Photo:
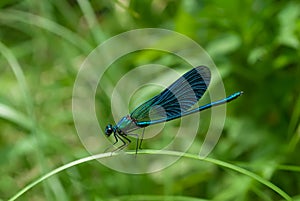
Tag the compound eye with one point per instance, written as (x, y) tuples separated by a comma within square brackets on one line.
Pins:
[(108, 130)]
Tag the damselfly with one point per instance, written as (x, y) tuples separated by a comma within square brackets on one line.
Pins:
[(174, 102)]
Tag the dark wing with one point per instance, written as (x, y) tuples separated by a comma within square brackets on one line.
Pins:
[(175, 100)]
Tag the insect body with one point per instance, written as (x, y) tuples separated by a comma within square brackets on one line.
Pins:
[(174, 102)]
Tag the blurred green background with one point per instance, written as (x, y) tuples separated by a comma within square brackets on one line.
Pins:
[(255, 45)]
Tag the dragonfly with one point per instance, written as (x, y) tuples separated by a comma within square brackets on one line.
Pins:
[(174, 102)]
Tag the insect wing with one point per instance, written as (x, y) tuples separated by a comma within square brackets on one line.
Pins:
[(175, 100)]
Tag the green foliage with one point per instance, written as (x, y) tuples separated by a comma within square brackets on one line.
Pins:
[(255, 45)]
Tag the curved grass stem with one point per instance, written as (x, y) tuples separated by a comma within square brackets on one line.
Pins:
[(158, 152)]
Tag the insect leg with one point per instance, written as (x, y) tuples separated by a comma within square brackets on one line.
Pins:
[(116, 141), (137, 141), (140, 147), (123, 137)]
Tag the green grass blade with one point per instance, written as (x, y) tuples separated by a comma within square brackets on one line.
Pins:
[(14, 116), (158, 152), (44, 23), (15, 66), (91, 20)]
